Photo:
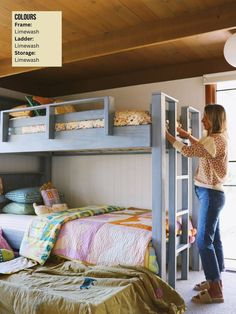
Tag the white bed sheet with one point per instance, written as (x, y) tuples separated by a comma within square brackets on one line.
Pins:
[(15, 222), (14, 227)]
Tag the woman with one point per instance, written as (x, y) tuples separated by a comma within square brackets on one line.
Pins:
[(209, 178)]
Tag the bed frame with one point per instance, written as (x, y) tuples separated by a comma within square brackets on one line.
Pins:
[(108, 140)]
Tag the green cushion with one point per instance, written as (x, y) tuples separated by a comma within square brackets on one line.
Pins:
[(26, 195), (32, 103), (19, 209)]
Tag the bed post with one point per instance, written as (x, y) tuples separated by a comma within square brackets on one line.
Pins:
[(196, 131), (158, 180), (172, 204), (4, 126), (108, 115), (191, 119)]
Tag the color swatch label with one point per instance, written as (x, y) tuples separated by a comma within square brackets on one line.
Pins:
[(36, 38)]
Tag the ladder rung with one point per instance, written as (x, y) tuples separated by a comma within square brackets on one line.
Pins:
[(185, 176), (193, 110), (181, 248), (182, 212)]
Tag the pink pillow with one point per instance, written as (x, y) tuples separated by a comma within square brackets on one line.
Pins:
[(3, 242), (50, 197)]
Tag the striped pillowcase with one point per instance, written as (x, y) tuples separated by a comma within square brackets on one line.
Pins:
[(27, 195)]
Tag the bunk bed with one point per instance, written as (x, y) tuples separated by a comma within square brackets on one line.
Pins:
[(145, 138)]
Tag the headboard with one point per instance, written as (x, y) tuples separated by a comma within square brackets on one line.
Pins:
[(12, 181), (16, 180)]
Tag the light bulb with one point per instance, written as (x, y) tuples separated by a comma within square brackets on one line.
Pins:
[(230, 50)]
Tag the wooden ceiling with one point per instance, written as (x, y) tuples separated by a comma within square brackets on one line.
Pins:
[(114, 43)]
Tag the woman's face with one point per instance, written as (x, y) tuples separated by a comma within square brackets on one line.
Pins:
[(206, 122)]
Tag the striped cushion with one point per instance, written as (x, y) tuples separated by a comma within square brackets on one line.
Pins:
[(26, 195)]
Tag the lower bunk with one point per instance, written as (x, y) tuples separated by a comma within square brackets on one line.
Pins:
[(88, 236), (93, 235)]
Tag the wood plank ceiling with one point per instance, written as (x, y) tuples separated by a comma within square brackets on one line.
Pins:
[(114, 43)]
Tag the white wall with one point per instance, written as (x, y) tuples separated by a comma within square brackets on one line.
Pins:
[(189, 92), (120, 180), (18, 163)]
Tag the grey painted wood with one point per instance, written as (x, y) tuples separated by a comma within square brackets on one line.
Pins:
[(45, 164), (185, 114), (159, 180), (108, 103), (107, 151), (172, 258), (82, 139), (194, 117), (50, 122), (81, 115), (4, 126), (59, 118), (108, 115), (196, 130)]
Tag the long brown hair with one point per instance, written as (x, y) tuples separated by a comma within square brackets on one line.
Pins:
[(217, 117)]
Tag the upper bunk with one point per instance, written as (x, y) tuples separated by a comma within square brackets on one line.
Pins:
[(60, 133)]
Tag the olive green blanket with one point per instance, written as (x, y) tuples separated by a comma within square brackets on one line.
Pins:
[(72, 288)]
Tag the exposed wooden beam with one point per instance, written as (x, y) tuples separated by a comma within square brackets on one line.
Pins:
[(166, 73), (143, 35)]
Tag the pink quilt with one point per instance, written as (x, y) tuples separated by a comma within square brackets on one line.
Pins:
[(115, 238)]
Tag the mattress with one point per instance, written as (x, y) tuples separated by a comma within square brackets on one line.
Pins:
[(13, 227), (121, 118)]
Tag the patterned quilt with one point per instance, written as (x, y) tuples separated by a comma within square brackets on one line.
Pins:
[(120, 237), (43, 231), (94, 235)]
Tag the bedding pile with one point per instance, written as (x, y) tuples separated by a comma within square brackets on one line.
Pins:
[(121, 118), (70, 287)]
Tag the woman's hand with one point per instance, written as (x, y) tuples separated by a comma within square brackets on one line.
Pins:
[(170, 137), (182, 133)]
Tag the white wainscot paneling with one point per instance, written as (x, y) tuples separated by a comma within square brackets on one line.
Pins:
[(123, 180)]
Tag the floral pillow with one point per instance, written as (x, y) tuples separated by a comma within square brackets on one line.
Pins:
[(3, 242), (50, 197)]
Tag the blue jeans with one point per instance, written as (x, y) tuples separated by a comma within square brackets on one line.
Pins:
[(208, 233)]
